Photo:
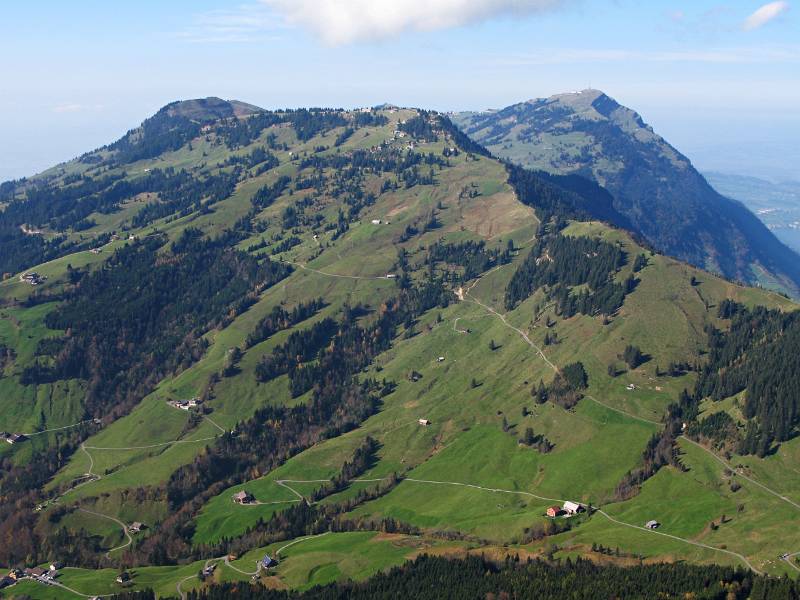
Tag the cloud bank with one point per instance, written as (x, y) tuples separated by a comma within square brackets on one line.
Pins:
[(764, 15), (338, 22)]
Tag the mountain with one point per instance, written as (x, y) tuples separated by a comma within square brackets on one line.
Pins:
[(342, 339), (655, 186)]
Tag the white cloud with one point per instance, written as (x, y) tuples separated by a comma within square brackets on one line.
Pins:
[(765, 14), (344, 21)]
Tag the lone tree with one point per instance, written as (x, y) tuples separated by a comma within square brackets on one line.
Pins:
[(633, 356), (529, 438)]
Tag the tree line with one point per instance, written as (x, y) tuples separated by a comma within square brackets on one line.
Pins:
[(437, 577)]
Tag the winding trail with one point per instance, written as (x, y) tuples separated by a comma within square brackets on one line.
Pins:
[(161, 445), (357, 277), (788, 559), (541, 353), (57, 428), (118, 522), (92, 477), (680, 539), (743, 476), (597, 510), (298, 540), (510, 326), (741, 557), (622, 412)]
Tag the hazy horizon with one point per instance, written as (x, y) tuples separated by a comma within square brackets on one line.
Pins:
[(714, 80)]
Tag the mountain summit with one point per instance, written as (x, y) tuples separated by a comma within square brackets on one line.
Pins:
[(589, 133), (209, 109)]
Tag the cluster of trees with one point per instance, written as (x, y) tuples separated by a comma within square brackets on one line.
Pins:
[(69, 206), (306, 122), (363, 459), (193, 194), (760, 356), (537, 441), (143, 315), (421, 127), (434, 577), (19, 485), (562, 197), (259, 445), (567, 386), (163, 132), (302, 346), (661, 449), (279, 319), (260, 156), (633, 356), (558, 262), (266, 195), (473, 257), (332, 351), (719, 427)]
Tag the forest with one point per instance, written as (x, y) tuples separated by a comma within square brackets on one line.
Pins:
[(558, 263), (142, 316), (477, 577), (758, 355)]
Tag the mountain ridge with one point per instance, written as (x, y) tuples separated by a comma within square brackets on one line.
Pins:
[(590, 134)]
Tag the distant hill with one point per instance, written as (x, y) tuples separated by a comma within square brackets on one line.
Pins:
[(209, 109), (653, 184)]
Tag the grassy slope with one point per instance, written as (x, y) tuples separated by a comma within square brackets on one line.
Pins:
[(594, 445)]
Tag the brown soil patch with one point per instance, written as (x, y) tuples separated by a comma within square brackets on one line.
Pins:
[(496, 215), (274, 582), (397, 210)]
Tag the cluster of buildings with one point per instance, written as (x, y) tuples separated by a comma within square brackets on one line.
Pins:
[(185, 404), (13, 438), (33, 278), (40, 574), (569, 509)]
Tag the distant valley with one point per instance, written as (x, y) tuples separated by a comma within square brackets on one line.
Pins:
[(777, 204)]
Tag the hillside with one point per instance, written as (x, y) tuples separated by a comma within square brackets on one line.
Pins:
[(653, 184), (390, 341)]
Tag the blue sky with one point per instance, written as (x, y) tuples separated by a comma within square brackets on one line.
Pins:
[(722, 88)]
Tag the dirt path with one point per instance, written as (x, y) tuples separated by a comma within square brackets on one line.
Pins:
[(358, 277), (522, 334), (118, 522), (57, 428), (743, 476), (597, 510), (95, 477), (680, 539)]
